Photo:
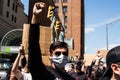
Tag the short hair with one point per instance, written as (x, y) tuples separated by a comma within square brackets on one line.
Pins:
[(58, 44)]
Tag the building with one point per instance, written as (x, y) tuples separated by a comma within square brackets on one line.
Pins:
[(74, 21), (12, 16)]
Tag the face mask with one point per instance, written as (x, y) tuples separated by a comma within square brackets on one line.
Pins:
[(60, 61)]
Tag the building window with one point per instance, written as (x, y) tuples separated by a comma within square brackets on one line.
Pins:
[(56, 1), (64, 1), (16, 7), (65, 9), (8, 3), (65, 18), (13, 7), (0, 6), (15, 20), (12, 18), (7, 14), (56, 9)]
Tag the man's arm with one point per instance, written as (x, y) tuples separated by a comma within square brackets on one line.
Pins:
[(36, 66)]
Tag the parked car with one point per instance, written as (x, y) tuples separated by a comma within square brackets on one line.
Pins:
[(4, 67)]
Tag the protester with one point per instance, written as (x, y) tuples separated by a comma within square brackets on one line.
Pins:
[(95, 69), (58, 52), (19, 69), (80, 70), (70, 69), (113, 65), (76, 58)]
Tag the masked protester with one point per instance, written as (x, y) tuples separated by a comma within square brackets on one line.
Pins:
[(58, 55)]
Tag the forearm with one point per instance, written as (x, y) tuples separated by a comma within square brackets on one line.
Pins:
[(83, 67), (97, 62), (12, 76), (15, 64), (34, 48), (20, 63), (35, 19), (34, 57)]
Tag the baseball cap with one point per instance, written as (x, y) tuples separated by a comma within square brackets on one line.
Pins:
[(113, 56)]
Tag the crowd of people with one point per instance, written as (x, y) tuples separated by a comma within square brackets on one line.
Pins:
[(61, 68)]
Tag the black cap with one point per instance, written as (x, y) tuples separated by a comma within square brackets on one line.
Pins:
[(113, 56)]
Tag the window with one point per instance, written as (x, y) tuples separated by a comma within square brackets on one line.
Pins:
[(65, 18), (0, 6), (56, 1), (15, 20), (13, 7), (56, 9), (16, 7), (12, 18), (8, 3), (7, 14), (64, 1), (65, 9)]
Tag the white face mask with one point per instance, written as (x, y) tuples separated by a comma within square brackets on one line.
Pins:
[(60, 61)]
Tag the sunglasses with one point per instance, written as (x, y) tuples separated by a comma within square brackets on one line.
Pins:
[(58, 53)]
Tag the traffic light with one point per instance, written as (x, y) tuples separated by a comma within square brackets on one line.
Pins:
[(57, 26), (57, 29), (50, 11)]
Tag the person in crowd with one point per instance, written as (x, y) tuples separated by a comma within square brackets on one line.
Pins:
[(113, 65), (70, 69), (96, 68), (80, 70), (77, 70), (19, 70), (58, 52), (71, 59), (76, 58)]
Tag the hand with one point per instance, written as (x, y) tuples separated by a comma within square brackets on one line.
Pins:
[(21, 50), (37, 9), (98, 56)]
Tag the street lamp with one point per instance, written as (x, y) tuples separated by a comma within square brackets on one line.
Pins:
[(107, 36), (107, 27)]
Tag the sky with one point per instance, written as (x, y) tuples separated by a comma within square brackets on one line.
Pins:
[(99, 15)]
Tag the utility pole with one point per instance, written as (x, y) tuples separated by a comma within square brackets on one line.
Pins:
[(107, 27)]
